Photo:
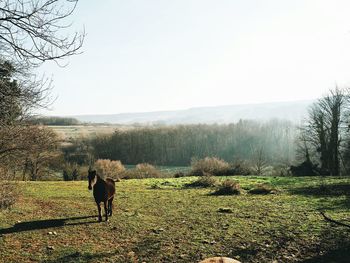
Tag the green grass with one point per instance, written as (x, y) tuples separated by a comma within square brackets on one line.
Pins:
[(160, 220)]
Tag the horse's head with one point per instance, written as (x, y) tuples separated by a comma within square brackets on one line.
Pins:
[(92, 177)]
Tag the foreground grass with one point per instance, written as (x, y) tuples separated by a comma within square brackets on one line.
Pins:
[(159, 220)]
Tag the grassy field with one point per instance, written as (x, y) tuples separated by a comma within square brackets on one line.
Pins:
[(160, 220)]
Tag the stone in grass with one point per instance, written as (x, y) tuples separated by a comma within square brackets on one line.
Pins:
[(213, 242), (158, 231), (50, 247), (262, 189), (225, 210)]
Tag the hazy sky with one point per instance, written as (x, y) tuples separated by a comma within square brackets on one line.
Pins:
[(175, 54)]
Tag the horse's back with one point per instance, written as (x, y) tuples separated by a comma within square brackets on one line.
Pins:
[(110, 180), (110, 187)]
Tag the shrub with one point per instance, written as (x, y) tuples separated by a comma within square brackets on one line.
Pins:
[(179, 174), (281, 170), (262, 189), (142, 170), (306, 168), (211, 165), (204, 181), (241, 168), (108, 168), (65, 176), (73, 172), (228, 187), (83, 172)]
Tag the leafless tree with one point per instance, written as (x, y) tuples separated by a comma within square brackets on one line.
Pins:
[(31, 32), (44, 154), (324, 129), (35, 31), (258, 161)]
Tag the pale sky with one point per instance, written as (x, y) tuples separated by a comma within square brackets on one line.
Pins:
[(176, 54)]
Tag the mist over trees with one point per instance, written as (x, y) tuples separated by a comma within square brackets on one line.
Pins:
[(177, 145)]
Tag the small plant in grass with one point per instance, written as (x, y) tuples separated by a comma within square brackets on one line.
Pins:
[(262, 189), (228, 187), (204, 182)]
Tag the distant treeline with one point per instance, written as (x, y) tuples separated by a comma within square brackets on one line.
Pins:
[(54, 121), (246, 140)]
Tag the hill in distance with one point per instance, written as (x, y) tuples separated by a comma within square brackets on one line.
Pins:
[(294, 111)]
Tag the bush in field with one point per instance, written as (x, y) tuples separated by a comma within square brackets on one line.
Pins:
[(73, 172), (262, 189), (228, 187), (66, 176), (83, 172), (108, 168), (179, 174), (240, 167), (211, 165), (281, 170), (147, 170), (204, 181), (142, 170)]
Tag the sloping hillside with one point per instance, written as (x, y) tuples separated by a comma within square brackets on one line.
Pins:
[(293, 111)]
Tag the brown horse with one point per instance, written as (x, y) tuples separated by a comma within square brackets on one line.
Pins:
[(103, 191)]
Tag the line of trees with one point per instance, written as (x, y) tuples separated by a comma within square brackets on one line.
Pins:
[(269, 142), (54, 121)]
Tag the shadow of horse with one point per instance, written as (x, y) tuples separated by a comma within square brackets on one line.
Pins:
[(47, 223)]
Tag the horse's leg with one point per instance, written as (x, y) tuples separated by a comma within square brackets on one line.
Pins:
[(106, 211), (110, 206), (99, 212)]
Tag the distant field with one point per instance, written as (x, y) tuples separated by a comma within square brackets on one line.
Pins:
[(72, 132), (160, 220)]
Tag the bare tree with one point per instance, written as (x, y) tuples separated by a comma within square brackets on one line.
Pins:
[(35, 31), (259, 161), (31, 32), (42, 152), (324, 129)]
